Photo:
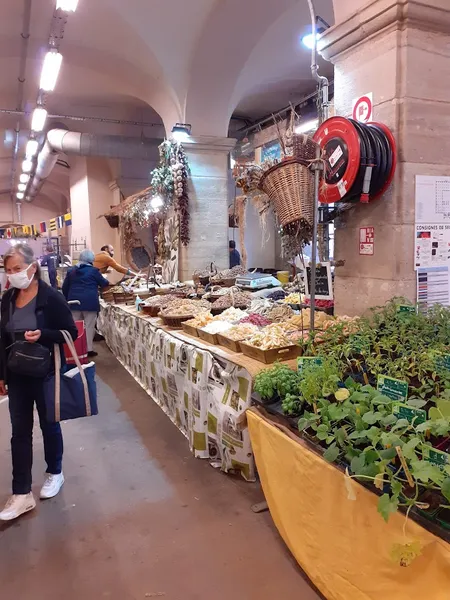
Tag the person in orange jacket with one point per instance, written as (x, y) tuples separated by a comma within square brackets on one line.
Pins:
[(105, 260)]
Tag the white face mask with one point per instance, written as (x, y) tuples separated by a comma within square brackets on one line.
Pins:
[(21, 281)]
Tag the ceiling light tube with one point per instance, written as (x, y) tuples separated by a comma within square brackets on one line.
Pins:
[(38, 119), (27, 165), (307, 127), (22, 187), (19, 195), (50, 70), (32, 148), (67, 5), (24, 178)]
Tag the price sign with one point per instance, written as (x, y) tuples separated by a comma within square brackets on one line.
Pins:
[(443, 362), (395, 389), (406, 309), (324, 285), (436, 457), (308, 360), (411, 414)]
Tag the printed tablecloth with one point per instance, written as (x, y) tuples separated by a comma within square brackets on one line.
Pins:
[(205, 395)]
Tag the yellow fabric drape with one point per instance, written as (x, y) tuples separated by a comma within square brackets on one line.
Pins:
[(343, 546)]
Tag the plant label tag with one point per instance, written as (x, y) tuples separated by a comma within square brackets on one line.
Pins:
[(308, 360), (443, 362), (436, 457), (406, 309), (395, 389), (411, 414)]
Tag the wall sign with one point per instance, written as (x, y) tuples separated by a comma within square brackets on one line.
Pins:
[(366, 241), (271, 151), (363, 108), (324, 283)]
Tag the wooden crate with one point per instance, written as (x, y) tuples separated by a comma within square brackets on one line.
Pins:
[(211, 338), (190, 330), (229, 344), (270, 356)]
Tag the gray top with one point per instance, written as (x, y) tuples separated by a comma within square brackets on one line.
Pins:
[(24, 319)]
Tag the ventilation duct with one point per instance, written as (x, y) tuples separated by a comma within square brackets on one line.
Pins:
[(61, 141)]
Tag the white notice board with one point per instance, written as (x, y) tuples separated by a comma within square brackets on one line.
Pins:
[(432, 222)]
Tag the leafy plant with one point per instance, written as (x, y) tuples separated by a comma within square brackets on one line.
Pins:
[(278, 380)]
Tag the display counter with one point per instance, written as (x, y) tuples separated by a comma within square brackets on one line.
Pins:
[(332, 527), (204, 389)]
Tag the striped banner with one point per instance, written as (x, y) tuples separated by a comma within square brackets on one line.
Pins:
[(53, 226)]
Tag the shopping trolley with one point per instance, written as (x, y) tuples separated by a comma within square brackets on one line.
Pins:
[(80, 342)]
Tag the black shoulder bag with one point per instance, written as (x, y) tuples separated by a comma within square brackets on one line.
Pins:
[(31, 360)]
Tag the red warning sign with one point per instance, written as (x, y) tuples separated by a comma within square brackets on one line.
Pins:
[(363, 108), (366, 241)]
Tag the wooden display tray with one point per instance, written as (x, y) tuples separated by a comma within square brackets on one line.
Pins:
[(211, 338), (270, 356), (189, 329), (151, 311), (229, 344)]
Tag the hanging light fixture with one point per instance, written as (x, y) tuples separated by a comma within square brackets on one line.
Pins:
[(181, 131), (24, 178), (38, 119), (27, 165), (50, 70), (32, 148), (19, 195), (321, 27), (67, 5), (22, 187)]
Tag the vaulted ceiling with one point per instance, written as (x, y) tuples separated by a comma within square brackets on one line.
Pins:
[(158, 61)]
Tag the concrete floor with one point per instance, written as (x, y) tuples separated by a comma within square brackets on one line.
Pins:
[(139, 517)]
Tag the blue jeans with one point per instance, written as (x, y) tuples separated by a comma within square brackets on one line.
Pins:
[(23, 392)]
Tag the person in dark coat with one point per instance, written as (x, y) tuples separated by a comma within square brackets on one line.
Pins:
[(81, 284), (34, 312), (235, 257), (51, 261)]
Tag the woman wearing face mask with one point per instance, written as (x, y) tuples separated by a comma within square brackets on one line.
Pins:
[(31, 311)]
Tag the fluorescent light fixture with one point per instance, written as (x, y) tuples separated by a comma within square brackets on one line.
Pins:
[(67, 5), (307, 127), (181, 131), (22, 187), (38, 119), (32, 148), (308, 38), (24, 178), (50, 70), (19, 195), (27, 165), (156, 202)]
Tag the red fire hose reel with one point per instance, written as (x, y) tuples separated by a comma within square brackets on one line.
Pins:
[(360, 160)]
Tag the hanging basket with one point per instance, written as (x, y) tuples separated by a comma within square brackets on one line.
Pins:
[(305, 148), (290, 187)]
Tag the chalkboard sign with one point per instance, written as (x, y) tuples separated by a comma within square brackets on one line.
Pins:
[(324, 285)]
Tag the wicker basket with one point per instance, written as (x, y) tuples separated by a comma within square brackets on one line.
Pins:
[(176, 322), (305, 148), (290, 187)]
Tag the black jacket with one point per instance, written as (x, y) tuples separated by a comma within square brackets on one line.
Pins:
[(52, 315)]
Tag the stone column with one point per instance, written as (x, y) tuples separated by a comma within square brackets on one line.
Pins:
[(79, 202), (208, 200), (400, 51)]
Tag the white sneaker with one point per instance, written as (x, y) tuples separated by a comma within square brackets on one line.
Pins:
[(52, 486), (17, 505)]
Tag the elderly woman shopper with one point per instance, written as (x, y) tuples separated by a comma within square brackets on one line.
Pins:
[(81, 285), (31, 311)]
